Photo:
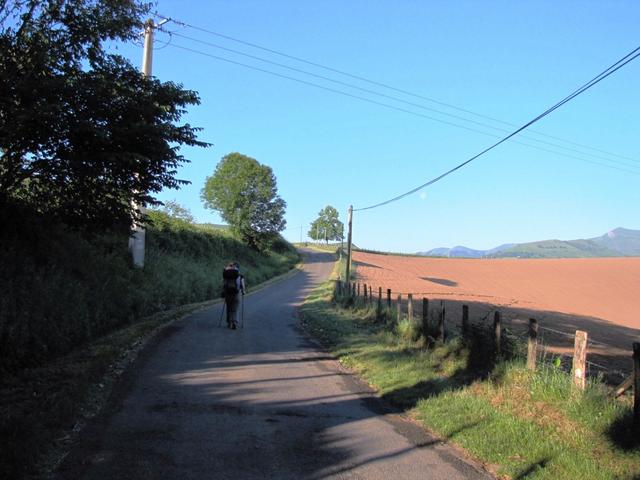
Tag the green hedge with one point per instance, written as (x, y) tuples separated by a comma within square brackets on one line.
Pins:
[(60, 289)]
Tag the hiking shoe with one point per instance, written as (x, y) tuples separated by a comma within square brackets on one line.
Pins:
[(234, 326)]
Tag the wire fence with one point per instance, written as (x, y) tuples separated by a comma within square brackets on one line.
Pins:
[(609, 362)]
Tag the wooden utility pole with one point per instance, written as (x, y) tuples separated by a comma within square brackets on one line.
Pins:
[(532, 347), (497, 332), (137, 238), (465, 320), (579, 369), (425, 317), (410, 307), (636, 385), (349, 244)]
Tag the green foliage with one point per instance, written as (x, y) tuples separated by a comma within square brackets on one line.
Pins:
[(61, 289), (82, 132), (175, 210), (327, 226), (245, 193)]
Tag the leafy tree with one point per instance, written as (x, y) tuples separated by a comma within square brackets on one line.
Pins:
[(245, 193), (82, 132), (175, 210), (327, 226)]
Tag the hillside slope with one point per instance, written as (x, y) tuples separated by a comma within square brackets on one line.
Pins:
[(557, 249), (621, 240)]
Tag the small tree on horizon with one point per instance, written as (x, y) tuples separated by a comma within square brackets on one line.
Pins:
[(327, 226), (246, 195), (175, 210)]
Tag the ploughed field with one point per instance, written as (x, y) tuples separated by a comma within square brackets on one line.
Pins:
[(599, 295)]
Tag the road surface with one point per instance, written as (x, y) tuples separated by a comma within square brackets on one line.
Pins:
[(260, 402)]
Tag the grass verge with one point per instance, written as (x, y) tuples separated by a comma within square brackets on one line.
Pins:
[(521, 424)]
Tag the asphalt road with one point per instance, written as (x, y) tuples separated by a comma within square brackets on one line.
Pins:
[(261, 402)]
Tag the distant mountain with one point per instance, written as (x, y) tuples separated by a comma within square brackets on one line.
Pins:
[(620, 242), (464, 252), (499, 249), (558, 249)]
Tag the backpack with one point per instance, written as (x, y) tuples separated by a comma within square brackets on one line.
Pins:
[(230, 281)]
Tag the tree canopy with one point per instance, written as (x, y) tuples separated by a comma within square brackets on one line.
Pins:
[(327, 226), (82, 132), (176, 210), (246, 195)]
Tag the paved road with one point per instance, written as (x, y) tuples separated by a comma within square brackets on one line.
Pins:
[(262, 402)]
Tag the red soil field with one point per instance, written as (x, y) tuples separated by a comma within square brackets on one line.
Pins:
[(607, 288), (599, 295)]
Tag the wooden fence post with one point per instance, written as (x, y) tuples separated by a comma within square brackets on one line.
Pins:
[(370, 294), (636, 385), (465, 320), (579, 370), (441, 331), (388, 298), (353, 289), (497, 330), (379, 310), (410, 307), (365, 293), (425, 317), (358, 290), (399, 308), (532, 350)]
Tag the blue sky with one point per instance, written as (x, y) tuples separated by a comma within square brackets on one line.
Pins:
[(507, 60)]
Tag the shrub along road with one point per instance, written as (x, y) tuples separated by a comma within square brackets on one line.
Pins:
[(259, 402)]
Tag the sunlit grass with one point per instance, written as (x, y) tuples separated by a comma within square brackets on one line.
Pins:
[(523, 424)]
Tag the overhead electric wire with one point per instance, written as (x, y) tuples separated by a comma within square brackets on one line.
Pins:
[(329, 89), (597, 79), (393, 107), (390, 97), (390, 87)]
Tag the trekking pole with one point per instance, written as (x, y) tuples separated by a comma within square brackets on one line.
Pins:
[(242, 312), (221, 314)]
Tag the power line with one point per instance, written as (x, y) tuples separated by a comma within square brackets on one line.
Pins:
[(329, 89), (390, 87), (399, 109), (390, 97), (597, 79)]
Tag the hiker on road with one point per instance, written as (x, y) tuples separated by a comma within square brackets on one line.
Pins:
[(233, 287)]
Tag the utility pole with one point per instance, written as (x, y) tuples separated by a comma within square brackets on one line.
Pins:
[(347, 278), (137, 239)]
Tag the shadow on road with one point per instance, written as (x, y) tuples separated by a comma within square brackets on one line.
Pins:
[(257, 403)]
